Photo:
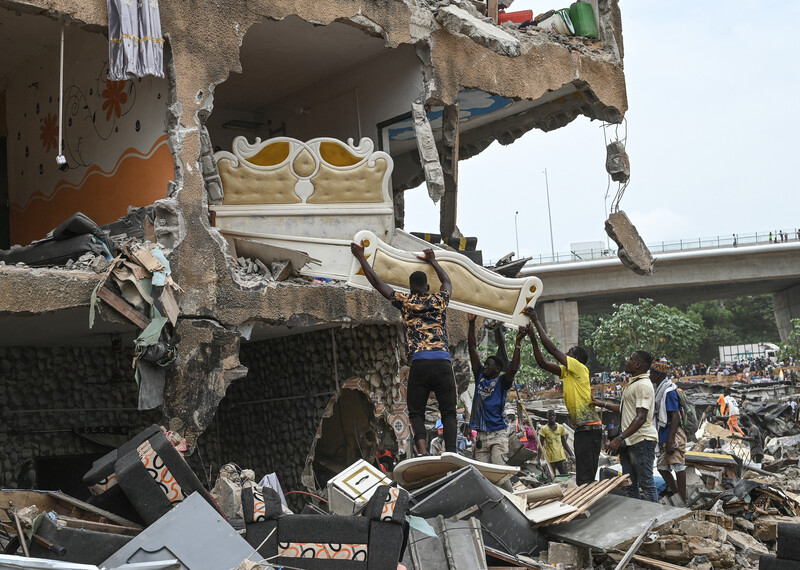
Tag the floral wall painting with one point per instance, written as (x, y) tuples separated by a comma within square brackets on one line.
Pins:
[(114, 140)]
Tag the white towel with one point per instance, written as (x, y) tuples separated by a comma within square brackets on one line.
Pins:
[(660, 406)]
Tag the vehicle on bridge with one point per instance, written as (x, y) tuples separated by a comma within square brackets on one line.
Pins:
[(739, 352)]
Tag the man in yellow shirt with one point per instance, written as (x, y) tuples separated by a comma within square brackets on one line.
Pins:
[(553, 437), (577, 397)]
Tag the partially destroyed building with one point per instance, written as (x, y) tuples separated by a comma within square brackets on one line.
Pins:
[(279, 124)]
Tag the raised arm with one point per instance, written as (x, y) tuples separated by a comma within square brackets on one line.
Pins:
[(513, 367), (543, 363), (369, 272), (474, 358), (430, 257), (548, 344)]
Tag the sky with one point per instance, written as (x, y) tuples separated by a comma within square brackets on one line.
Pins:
[(712, 136)]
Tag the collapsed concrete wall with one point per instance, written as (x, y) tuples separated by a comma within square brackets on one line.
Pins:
[(268, 421)]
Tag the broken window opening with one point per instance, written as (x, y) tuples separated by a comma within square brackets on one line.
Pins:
[(349, 431), (317, 126)]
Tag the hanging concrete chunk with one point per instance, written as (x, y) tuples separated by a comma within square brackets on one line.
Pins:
[(632, 250), (428, 155), (618, 164), (458, 21)]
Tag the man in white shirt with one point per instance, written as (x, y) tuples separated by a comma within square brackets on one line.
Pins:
[(733, 413), (638, 432)]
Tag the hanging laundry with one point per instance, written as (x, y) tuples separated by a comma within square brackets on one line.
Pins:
[(135, 44)]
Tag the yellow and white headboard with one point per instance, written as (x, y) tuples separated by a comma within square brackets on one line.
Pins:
[(310, 196), (475, 289)]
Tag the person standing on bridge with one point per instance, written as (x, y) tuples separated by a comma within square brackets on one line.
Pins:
[(571, 368)]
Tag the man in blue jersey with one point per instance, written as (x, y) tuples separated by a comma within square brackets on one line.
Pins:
[(488, 404)]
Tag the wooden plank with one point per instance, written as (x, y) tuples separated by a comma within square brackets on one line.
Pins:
[(118, 304), (170, 305), (588, 496), (549, 511), (519, 561), (138, 271), (592, 499), (648, 562), (99, 526), (492, 9)]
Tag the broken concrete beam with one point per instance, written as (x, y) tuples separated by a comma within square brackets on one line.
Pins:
[(682, 549), (749, 546), (458, 21), (618, 165), (567, 554), (704, 529), (633, 253), (428, 155)]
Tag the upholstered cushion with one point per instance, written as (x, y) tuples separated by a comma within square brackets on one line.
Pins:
[(387, 504), (260, 504), (155, 478)]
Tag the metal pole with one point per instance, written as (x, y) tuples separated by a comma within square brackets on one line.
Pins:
[(516, 232), (549, 216)]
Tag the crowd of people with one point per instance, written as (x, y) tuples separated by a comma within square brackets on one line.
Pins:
[(650, 408)]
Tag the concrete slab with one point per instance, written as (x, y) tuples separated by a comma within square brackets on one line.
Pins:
[(192, 533), (614, 520)]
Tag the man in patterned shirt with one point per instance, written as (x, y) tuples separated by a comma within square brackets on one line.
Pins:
[(424, 321)]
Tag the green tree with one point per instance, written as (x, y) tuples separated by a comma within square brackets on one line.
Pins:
[(791, 347), (656, 328), (587, 324), (742, 320)]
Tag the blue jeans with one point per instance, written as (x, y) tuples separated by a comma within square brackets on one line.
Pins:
[(637, 461)]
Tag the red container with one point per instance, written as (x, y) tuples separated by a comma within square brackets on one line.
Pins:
[(517, 17)]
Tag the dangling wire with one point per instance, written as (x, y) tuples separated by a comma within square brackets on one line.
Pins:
[(61, 159)]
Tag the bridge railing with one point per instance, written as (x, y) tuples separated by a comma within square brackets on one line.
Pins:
[(732, 240)]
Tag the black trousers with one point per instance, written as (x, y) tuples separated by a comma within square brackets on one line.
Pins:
[(435, 376), (587, 454)]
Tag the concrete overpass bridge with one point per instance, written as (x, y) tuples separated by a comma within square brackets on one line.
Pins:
[(679, 277)]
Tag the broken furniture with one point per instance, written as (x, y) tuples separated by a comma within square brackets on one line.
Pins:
[(193, 533), (574, 502), (71, 239), (79, 541), (446, 544), (475, 289), (468, 493), (420, 471), (150, 472), (101, 479), (306, 196), (155, 478), (372, 540), (68, 529)]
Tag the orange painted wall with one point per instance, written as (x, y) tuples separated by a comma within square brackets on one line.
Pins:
[(136, 180)]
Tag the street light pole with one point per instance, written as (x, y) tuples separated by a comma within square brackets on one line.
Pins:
[(549, 216), (516, 232)]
